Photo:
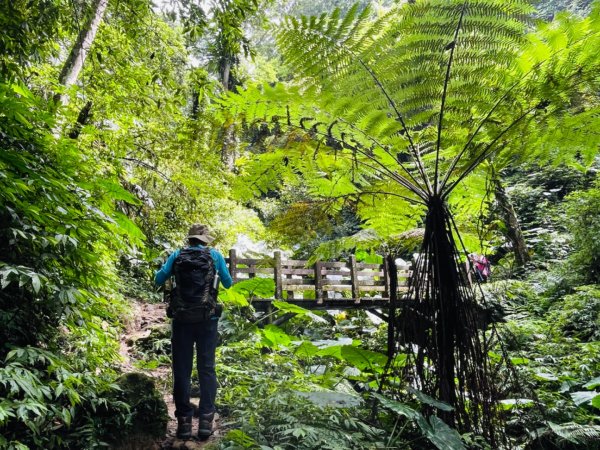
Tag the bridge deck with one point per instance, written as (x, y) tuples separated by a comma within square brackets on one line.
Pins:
[(325, 284)]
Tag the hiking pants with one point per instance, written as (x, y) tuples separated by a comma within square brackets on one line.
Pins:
[(183, 338)]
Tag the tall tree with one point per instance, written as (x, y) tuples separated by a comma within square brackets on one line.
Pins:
[(81, 47)]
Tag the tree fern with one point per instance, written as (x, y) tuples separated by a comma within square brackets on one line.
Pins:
[(419, 98)]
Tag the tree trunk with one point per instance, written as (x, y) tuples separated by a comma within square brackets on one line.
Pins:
[(82, 120), (509, 217), (228, 155), (74, 63), (229, 144)]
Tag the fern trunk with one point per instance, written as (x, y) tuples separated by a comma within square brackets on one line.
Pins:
[(438, 329)]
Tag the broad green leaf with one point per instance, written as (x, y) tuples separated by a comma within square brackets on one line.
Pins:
[(331, 399), (306, 350), (229, 296), (442, 436), (333, 350), (363, 359), (128, 227), (116, 192), (290, 308), (519, 361), (255, 287), (592, 384), (36, 283), (583, 397), (545, 376), (399, 408), (424, 398), (275, 337)]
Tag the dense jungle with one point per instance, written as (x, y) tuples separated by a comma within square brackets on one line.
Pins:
[(449, 146)]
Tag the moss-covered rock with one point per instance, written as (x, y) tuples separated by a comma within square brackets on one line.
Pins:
[(149, 414)]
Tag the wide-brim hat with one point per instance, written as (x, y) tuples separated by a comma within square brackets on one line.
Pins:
[(200, 232)]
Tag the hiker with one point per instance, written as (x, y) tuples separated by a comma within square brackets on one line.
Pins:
[(480, 266), (195, 314)]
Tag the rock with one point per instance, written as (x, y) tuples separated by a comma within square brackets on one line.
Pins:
[(148, 409), (190, 444)]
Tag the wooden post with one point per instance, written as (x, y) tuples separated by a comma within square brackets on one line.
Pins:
[(318, 283), (233, 264), (278, 276), (354, 280), (390, 261), (386, 277)]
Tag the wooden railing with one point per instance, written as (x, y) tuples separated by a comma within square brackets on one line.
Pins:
[(323, 284)]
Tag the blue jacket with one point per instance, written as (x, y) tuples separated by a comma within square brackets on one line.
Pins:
[(167, 269)]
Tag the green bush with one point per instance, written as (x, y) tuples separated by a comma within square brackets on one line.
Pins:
[(60, 237), (583, 212), (578, 315)]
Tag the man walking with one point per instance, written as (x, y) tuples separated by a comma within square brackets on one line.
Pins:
[(195, 313)]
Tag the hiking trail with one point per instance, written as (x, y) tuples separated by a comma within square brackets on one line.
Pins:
[(147, 320)]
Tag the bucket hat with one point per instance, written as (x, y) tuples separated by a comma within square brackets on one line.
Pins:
[(200, 232)]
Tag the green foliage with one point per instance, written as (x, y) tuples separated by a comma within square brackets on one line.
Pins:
[(28, 28), (433, 428), (369, 91), (583, 209), (46, 402), (578, 314), (272, 401), (59, 238)]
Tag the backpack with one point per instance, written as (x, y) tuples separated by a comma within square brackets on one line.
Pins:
[(482, 268), (195, 295)]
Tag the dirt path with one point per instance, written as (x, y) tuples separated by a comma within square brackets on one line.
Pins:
[(149, 317)]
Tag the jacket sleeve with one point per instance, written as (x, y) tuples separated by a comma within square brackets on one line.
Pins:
[(166, 270), (222, 270)]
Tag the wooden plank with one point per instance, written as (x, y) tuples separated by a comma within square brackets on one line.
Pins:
[(374, 273), (285, 271), (233, 264), (253, 261), (336, 287), (277, 276), (354, 279), (294, 262), (371, 283), (368, 266), (318, 282), (254, 270), (328, 264), (336, 272), (372, 288), (298, 287), (302, 281)]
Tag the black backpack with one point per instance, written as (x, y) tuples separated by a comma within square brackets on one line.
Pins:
[(195, 295)]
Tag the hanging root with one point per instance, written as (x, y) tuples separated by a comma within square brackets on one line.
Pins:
[(438, 329)]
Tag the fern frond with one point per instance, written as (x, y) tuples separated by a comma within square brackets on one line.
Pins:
[(576, 433)]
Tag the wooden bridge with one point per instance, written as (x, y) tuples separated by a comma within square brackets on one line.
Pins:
[(324, 284)]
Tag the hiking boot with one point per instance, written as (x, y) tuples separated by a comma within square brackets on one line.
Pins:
[(184, 427), (205, 426)]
